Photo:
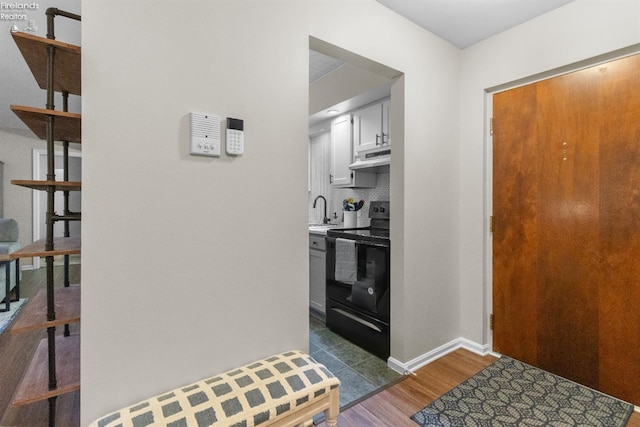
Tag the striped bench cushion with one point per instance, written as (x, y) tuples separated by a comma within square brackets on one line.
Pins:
[(244, 397)]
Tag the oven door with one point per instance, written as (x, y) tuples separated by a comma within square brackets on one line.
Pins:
[(369, 293), (366, 331)]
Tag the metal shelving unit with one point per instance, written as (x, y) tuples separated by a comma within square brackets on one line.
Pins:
[(55, 367)]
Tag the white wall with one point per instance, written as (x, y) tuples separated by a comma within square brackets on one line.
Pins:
[(576, 32), (209, 269)]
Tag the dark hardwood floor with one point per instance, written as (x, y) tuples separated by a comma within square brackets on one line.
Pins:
[(16, 351), (391, 407), (394, 406)]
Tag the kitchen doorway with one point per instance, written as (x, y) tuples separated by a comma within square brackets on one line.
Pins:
[(361, 372)]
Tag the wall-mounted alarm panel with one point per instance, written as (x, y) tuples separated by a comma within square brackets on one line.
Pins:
[(235, 136), (204, 135)]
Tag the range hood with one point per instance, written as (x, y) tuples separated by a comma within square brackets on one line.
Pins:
[(372, 160)]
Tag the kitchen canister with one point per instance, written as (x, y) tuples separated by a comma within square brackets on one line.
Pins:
[(350, 219)]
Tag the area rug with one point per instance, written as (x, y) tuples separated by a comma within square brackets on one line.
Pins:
[(512, 393), (7, 317)]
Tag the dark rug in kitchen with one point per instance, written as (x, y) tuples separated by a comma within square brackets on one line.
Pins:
[(360, 372), (511, 393)]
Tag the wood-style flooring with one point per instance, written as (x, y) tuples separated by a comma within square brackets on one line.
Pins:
[(16, 351), (390, 407), (394, 406)]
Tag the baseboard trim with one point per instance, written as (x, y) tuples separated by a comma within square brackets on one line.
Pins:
[(409, 367)]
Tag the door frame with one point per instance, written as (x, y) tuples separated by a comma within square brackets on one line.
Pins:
[(488, 163)]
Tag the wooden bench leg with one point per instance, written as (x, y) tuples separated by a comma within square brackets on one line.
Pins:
[(331, 413)]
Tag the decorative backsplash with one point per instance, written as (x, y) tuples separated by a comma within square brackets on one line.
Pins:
[(320, 149)]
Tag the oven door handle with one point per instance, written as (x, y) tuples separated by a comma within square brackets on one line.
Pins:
[(357, 319), (360, 242)]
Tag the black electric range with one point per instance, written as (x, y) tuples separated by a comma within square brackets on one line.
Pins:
[(358, 282), (376, 232)]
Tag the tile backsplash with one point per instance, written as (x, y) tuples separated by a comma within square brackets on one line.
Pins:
[(319, 151)]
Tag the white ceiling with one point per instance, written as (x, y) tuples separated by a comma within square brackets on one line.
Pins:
[(460, 22), (466, 22), (321, 64)]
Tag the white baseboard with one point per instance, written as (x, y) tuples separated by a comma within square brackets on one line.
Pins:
[(422, 360)]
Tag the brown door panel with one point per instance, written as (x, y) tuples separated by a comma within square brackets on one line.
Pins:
[(514, 222), (566, 239)]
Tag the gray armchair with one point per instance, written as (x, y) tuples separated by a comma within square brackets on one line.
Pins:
[(8, 243)]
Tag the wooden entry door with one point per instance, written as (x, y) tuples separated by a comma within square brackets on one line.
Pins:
[(566, 226)]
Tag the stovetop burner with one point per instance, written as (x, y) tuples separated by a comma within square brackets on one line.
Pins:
[(377, 232)]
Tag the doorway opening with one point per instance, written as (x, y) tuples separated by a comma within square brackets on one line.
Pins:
[(343, 83)]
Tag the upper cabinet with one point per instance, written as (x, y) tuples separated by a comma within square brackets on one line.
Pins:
[(342, 156), (371, 126)]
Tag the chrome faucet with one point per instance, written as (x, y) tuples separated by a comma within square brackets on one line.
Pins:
[(325, 220)]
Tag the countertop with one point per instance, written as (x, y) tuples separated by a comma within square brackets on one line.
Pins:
[(321, 229)]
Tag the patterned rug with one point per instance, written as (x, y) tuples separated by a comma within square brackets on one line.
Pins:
[(7, 317), (512, 393)]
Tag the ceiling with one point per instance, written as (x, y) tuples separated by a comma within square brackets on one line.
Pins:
[(462, 23), (321, 64), (466, 22)]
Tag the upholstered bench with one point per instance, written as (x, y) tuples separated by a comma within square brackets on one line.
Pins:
[(287, 389)]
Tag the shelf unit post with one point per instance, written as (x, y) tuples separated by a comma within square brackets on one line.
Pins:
[(60, 71), (67, 211), (51, 176)]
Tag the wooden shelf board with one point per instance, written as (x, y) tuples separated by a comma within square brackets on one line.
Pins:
[(62, 246), (67, 76), (68, 126), (45, 185), (33, 316), (34, 385)]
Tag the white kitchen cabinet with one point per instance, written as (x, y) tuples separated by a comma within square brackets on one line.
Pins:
[(342, 156), (317, 272), (371, 126), (386, 122)]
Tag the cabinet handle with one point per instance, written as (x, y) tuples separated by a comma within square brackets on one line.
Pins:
[(383, 138), (378, 138), (330, 179)]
